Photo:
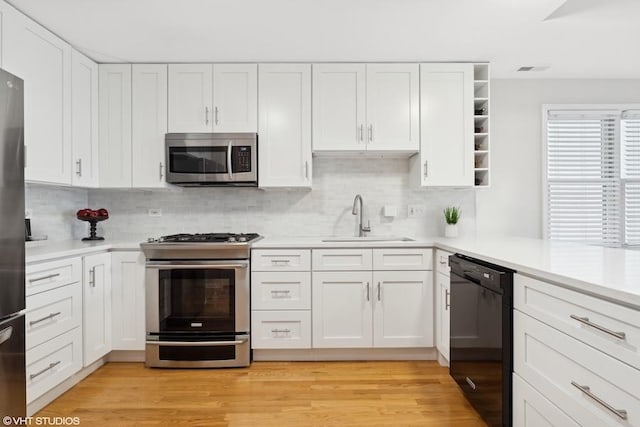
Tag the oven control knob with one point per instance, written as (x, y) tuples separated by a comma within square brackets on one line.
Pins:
[(231, 239), (242, 238)]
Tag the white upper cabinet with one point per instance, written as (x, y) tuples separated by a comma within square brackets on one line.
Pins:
[(366, 107), (393, 102), (115, 125), (235, 98), (284, 107), (213, 98), (43, 61), (339, 102), (190, 98), (84, 120), (446, 152), (149, 124)]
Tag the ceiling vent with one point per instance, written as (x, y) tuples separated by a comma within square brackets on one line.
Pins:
[(532, 68)]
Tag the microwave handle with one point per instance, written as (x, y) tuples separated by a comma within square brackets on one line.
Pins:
[(229, 160)]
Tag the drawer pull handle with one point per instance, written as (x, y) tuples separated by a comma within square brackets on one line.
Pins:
[(620, 413), (368, 292), (48, 368), (585, 321), (50, 276), (443, 260), (280, 262), (379, 296), (51, 316), (280, 293), (277, 332)]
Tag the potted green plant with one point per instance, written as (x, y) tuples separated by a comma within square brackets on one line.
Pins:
[(451, 216)]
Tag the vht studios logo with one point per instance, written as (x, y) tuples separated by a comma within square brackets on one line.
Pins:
[(41, 421)]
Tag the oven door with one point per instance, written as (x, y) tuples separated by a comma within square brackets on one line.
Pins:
[(211, 159), (197, 314)]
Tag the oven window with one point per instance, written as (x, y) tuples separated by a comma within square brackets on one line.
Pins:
[(197, 300), (198, 160)]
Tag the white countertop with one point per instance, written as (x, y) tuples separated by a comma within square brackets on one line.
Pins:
[(44, 250), (612, 274)]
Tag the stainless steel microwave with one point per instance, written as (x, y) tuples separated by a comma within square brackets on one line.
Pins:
[(212, 159)]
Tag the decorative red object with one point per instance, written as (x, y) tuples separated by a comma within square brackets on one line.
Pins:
[(93, 217)]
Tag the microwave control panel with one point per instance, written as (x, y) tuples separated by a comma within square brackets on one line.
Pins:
[(241, 156)]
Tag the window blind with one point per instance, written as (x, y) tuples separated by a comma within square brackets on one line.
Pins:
[(583, 177), (630, 159)]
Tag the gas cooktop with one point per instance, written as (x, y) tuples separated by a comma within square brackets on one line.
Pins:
[(208, 238), (208, 246)]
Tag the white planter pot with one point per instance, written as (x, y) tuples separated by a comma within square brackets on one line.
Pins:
[(451, 230)]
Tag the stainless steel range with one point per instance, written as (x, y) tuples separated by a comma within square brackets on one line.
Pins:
[(197, 300)]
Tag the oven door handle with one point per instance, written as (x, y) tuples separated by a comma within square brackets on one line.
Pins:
[(196, 265), (198, 343)]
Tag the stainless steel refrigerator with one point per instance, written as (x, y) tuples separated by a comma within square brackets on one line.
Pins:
[(12, 290)]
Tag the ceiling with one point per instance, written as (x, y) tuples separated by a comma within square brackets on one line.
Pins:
[(574, 38)]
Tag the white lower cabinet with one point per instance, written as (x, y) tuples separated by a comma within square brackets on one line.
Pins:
[(97, 306), (342, 309), (53, 362), (443, 313), (402, 309), (532, 409), (372, 309), (128, 300), (281, 329)]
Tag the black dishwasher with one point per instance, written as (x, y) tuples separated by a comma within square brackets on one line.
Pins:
[(481, 336)]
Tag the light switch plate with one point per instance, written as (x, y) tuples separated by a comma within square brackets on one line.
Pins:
[(416, 211)]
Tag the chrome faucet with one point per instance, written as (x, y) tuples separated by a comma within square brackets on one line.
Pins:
[(357, 210)]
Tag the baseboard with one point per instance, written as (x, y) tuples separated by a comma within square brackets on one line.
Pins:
[(442, 360), (61, 388), (126, 356), (335, 354)]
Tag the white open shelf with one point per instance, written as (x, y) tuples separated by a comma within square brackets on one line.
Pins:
[(482, 147)]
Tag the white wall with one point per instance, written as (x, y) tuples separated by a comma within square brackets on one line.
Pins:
[(513, 204)]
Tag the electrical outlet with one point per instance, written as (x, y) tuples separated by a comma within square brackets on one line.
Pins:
[(416, 211), (28, 213), (155, 212)]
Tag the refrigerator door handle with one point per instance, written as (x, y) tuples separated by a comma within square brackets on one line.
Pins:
[(5, 334)]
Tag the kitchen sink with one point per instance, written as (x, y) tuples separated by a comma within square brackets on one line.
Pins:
[(368, 239)]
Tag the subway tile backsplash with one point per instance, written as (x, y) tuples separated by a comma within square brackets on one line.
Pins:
[(324, 210)]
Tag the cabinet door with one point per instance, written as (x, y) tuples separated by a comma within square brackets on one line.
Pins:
[(402, 309), (393, 102), (97, 307), (447, 124), (285, 125), (149, 124), (339, 92), (443, 298), (43, 61), (532, 409), (341, 309), (190, 98), (127, 296), (84, 120), (115, 125), (235, 98)]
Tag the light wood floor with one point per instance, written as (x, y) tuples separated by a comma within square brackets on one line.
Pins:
[(269, 394)]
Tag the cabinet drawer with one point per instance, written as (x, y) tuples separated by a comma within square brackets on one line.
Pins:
[(281, 290), (53, 362), (557, 365), (531, 409), (402, 259), (281, 329), (280, 260), (342, 259), (52, 313), (442, 262), (581, 316), (50, 275)]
